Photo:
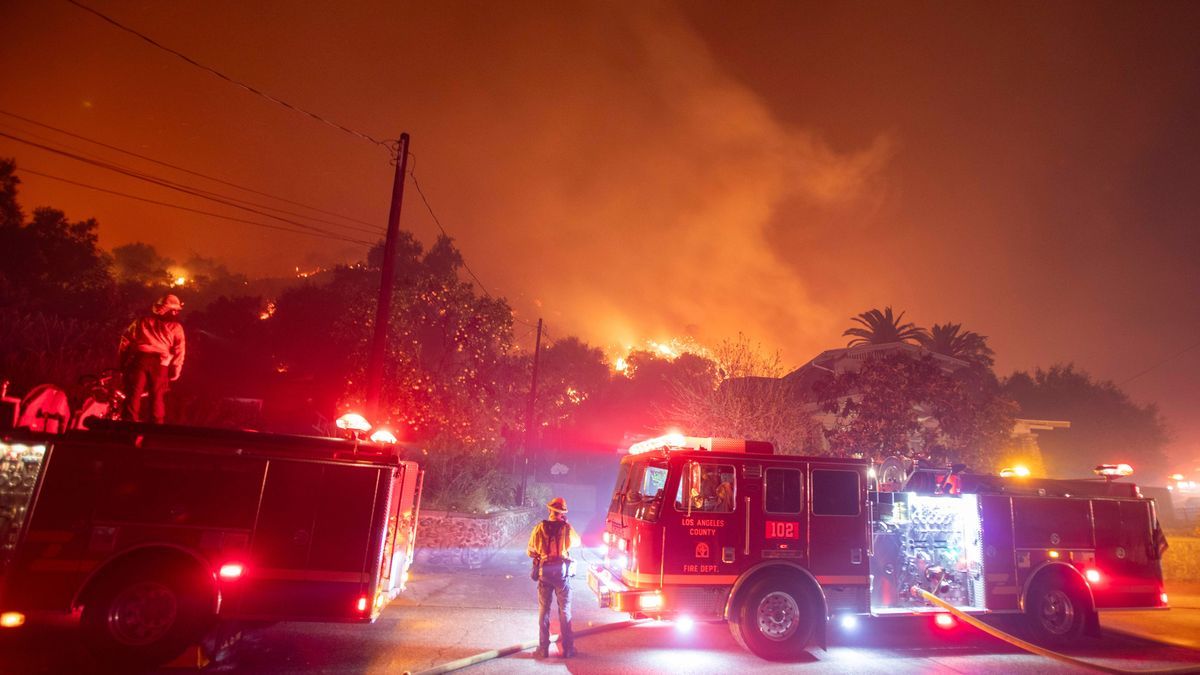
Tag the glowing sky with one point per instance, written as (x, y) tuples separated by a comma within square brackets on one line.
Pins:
[(638, 171)]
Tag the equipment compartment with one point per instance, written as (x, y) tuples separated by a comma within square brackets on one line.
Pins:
[(20, 465), (928, 542)]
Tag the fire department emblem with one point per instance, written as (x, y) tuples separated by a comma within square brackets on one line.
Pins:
[(1054, 538), (1120, 553), (702, 550)]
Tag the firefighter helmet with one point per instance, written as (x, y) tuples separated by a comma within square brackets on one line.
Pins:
[(557, 504), (168, 303)]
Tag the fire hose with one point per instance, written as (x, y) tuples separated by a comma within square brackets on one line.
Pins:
[(1042, 651), (459, 664)]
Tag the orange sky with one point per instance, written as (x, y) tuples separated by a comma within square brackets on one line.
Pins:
[(637, 171)]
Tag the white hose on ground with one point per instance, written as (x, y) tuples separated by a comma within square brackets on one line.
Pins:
[(1042, 651)]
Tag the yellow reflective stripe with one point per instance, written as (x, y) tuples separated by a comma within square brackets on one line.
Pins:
[(842, 579)]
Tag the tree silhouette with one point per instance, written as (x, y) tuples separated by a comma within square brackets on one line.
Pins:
[(881, 328), (949, 339)]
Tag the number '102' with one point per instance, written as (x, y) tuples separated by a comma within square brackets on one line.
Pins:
[(782, 530)]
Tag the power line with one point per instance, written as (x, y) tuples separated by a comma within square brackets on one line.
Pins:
[(200, 192), (231, 80), (165, 183), (254, 90), (1177, 354), (428, 207), (188, 208), (189, 171), (425, 201)]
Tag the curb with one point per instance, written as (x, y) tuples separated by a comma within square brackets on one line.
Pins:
[(466, 661), (1194, 646)]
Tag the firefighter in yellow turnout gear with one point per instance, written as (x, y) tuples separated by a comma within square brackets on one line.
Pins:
[(549, 547)]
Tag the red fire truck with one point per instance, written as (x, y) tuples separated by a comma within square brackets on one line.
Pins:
[(148, 534), (776, 545)]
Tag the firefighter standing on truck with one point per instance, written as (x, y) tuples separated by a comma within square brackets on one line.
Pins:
[(151, 353), (549, 546)]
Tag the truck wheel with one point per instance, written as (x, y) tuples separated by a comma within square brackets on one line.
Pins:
[(775, 619), (1056, 612), (139, 617)]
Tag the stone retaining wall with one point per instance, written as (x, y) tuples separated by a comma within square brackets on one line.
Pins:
[(447, 539), (1181, 562)]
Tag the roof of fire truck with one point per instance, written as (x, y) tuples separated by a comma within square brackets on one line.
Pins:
[(231, 441), (674, 443), (926, 480)]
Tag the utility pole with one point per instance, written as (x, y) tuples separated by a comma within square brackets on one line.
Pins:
[(529, 435), (387, 275)]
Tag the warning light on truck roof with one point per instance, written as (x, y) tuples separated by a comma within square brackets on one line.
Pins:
[(383, 436), (673, 440), (353, 422), (1113, 470)]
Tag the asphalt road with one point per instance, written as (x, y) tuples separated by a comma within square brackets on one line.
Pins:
[(449, 614)]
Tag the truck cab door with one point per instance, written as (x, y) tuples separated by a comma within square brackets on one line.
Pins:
[(703, 523), (779, 517), (837, 524)]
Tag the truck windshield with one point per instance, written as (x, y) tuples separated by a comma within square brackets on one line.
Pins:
[(644, 490)]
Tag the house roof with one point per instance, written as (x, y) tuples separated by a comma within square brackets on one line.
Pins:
[(827, 362)]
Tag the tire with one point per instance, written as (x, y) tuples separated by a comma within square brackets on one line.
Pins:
[(141, 616), (1056, 611), (775, 618)]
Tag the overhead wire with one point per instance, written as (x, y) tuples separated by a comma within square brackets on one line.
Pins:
[(417, 184), (190, 209), (216, 196), (250, 88), (164, 183), (186, 170), (1146, 371), (391, 146)]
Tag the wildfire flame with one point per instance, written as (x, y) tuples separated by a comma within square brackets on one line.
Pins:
[(670, 350)]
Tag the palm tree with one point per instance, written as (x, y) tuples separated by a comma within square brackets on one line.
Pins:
[(950, 339), (881, 328)]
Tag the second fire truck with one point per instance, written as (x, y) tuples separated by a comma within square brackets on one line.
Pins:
[(706, 529), (148, 534)]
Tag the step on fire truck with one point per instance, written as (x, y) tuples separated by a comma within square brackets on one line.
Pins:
[(708, 529), (148, 534)]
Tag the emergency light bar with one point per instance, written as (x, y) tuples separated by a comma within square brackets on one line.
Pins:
[(353, 422), (680, 442), (1113, 470)]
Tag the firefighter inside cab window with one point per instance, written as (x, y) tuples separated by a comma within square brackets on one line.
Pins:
[(708, 488)]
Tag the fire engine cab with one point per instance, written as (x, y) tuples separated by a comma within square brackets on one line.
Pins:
[(147, 534), (709, 529)]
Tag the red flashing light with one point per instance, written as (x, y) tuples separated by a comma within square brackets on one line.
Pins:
[(231, 571), (1093, 575), (667, 441), (944, 621), (1163, 598), (383, 436), (362, 603), (1113, 470), (650, 601), (353, 422)]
